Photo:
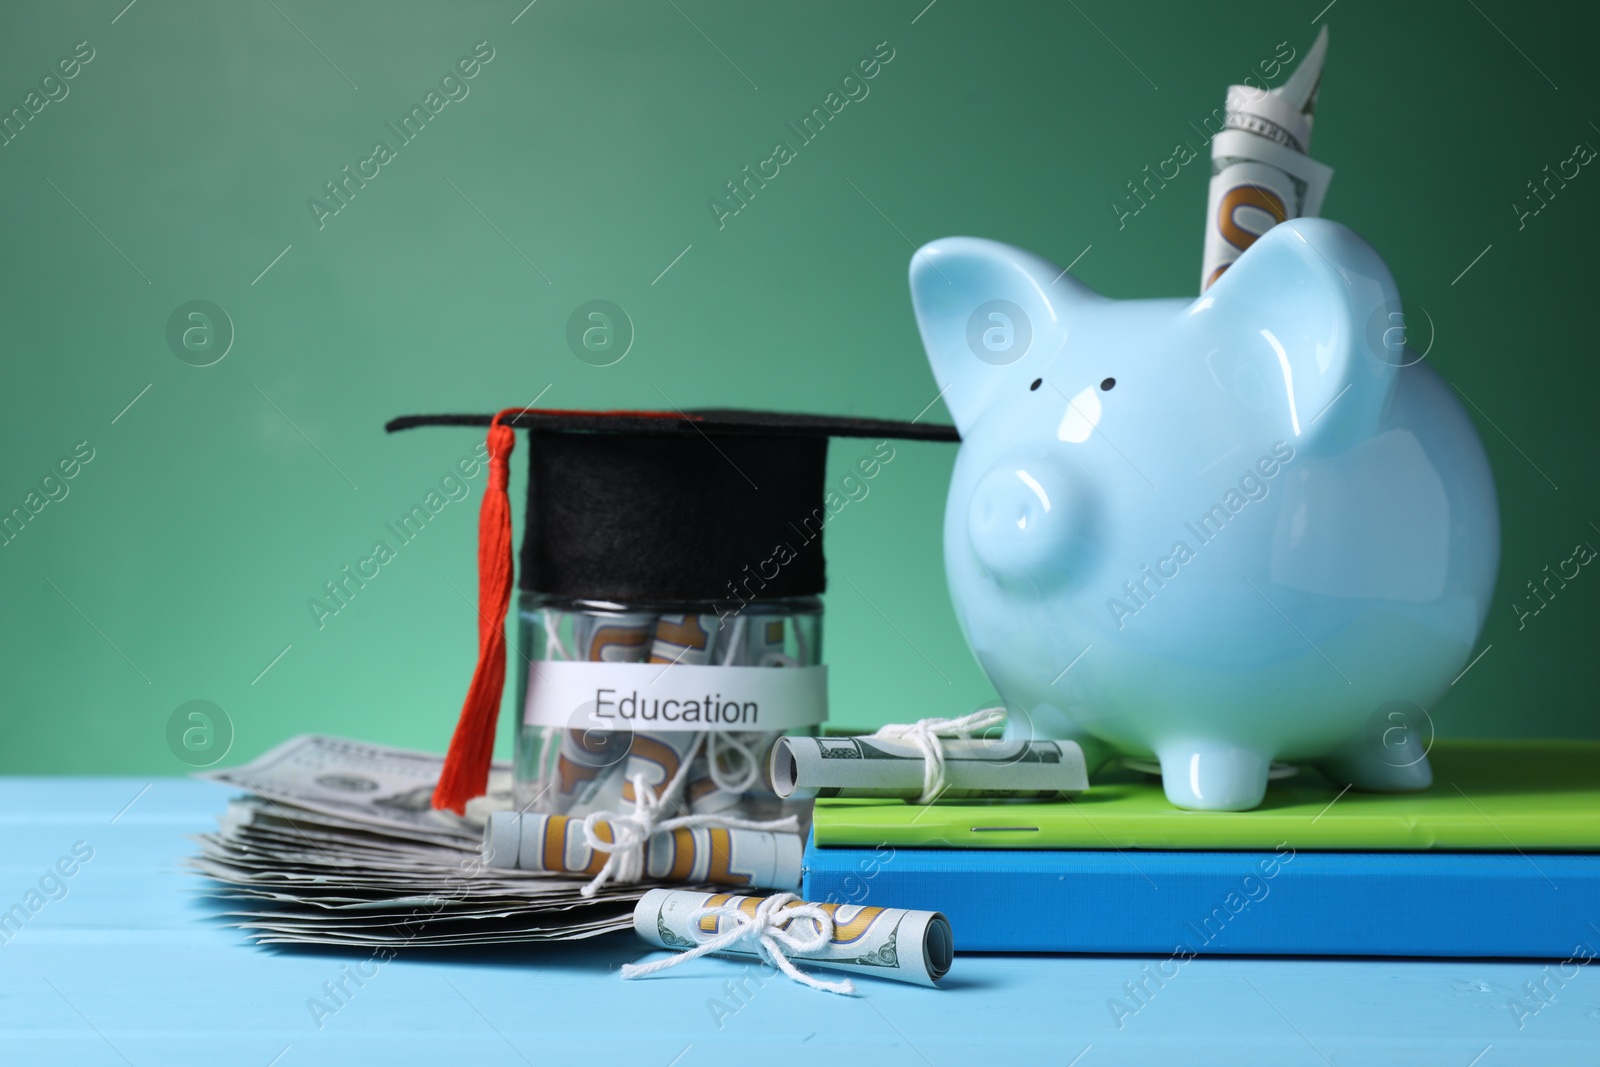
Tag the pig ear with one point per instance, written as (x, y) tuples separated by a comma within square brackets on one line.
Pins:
[(1314, 301), (990, 315)]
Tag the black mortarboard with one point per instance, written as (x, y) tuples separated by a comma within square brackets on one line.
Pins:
[(642, 506)]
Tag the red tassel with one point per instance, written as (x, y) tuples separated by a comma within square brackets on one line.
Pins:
[(466, 765)]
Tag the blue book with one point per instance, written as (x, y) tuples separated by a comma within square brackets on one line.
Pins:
[(1182, 904)]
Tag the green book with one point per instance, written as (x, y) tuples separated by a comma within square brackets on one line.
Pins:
[(1487, 796)]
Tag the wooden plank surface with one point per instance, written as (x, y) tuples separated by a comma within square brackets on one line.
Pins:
[(128, 966)]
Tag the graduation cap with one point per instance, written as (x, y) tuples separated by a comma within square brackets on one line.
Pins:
[(641, 507)]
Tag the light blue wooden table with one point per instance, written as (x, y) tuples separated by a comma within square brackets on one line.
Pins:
[(130, 967)]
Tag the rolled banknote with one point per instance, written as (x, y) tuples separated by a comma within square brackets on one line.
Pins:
[(701, 793), (681, 639), (620, 638), (907, 946), (658, 755), (753, 859), (589, 764), (1261, 174), (804, 767), (740, 757), (586, 763), (657, 759), (762, 642)]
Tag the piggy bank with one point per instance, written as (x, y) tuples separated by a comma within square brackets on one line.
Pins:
[(1216, 533)]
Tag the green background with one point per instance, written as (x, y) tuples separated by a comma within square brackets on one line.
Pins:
[(181, 162)]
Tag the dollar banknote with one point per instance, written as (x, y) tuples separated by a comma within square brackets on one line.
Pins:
[(590, 766), (973, 769), (372, 784), (336, 844), (732, 857), (1261, 172), (730, 772), (907, 946)]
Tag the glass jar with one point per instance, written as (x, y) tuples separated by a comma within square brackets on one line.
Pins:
[(682, 698)]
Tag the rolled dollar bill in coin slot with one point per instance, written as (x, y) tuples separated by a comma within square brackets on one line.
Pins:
[(1261, 174), (803, 767), (895, 943), (755, 859)]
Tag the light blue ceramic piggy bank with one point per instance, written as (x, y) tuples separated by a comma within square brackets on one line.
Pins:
[(1219, 532)]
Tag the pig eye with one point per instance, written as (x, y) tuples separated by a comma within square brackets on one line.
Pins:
[(1036, 383), (1108, 385)]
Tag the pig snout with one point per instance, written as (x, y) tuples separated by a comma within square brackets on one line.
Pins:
[(1021, 520)]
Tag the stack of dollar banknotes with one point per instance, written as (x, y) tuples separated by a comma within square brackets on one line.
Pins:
[(336, 842)]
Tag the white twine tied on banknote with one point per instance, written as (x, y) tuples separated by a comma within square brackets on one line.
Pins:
[(734, 759), (734, 756), (631, 831), (925, 734), (774, 928)]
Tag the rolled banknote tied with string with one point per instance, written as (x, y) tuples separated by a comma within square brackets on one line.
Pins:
[(587, 770), (675, 639), (752, 859), (895, 943), (589, 764), (1261, 174), (806, 767), (733, 763)]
